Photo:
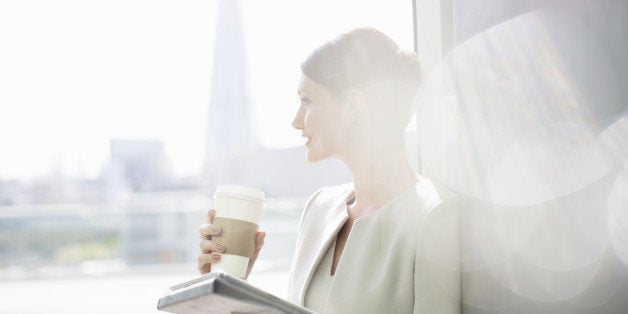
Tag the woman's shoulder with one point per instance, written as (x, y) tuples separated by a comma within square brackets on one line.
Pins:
[(326, 198), (409, 210), (334, 194), (422, 197), (427, 193), (329, 197)]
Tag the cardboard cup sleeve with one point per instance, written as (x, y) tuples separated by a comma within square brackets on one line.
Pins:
[(238, 236)]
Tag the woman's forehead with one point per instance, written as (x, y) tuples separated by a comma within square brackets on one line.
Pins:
[(309, 86)]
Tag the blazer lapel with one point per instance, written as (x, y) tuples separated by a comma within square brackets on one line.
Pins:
[(333, 222)]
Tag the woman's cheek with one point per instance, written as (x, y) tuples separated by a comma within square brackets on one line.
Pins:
[(307, 120)]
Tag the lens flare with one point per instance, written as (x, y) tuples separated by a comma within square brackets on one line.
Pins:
[(506, 124)]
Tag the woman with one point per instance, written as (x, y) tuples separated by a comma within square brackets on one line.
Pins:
[(357, 248)]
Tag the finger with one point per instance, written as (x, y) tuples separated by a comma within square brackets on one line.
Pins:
[(208, 258), (208, 246), (204, 259), (209, 218), (259, 243), (259, 239), (205, 268), (204, 263), (209, 230), (215, 258)]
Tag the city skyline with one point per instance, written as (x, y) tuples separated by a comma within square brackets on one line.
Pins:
[(68, 91)]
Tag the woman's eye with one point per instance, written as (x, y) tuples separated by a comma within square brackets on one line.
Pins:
[(305, 101)]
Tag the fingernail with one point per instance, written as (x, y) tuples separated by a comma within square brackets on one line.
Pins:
[(215, 257), (220, 247), (216, 228)]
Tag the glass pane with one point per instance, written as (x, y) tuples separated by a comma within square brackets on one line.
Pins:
[(105, 126)]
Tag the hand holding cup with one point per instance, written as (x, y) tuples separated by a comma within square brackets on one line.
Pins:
[(235, 249), (209, 251)]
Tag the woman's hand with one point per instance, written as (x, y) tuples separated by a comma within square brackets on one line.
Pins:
[(259, 242), (210, 250)]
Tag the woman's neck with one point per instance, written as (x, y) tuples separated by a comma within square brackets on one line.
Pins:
[(378, 178)]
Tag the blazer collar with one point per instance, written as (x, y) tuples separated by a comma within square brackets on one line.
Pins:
[(333, 223)]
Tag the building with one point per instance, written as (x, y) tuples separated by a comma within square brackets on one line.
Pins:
[(233, 154)]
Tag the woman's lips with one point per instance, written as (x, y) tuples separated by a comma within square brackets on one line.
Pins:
[(309, 139)]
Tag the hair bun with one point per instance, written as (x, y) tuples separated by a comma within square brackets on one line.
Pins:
[(361, 56), (409, 66)]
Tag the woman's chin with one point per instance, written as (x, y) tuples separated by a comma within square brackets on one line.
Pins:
[(312, 157)]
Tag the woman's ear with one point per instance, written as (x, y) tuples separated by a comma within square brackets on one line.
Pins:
[(357, 102)]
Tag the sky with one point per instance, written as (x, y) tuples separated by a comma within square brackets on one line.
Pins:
[(76, 74)]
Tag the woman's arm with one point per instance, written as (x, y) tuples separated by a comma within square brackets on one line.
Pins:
[(291, 297), (437, 276)]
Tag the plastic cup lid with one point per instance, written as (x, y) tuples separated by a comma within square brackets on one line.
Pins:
[(238, 191)]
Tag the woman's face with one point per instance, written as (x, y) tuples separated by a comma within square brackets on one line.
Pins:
[(322, 120)]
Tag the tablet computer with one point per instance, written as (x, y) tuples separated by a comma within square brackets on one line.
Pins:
[(219, 292)]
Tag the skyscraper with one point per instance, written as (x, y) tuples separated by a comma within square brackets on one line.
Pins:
[(229, 129), (232, 154)]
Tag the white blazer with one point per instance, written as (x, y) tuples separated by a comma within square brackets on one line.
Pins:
[(383, 268)]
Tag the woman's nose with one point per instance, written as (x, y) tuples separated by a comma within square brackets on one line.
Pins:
[(297, 122)]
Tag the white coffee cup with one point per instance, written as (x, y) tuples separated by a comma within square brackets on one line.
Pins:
[(238, 210)]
